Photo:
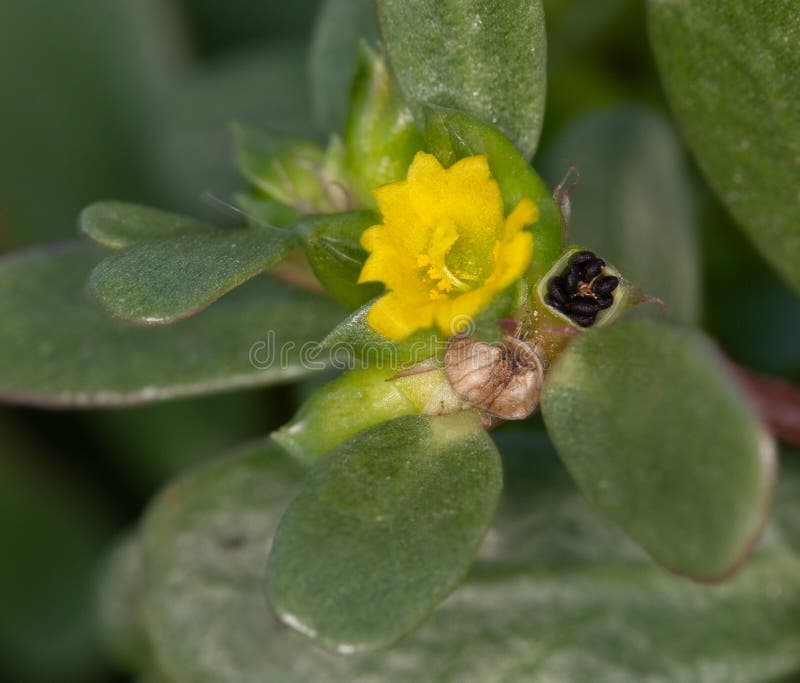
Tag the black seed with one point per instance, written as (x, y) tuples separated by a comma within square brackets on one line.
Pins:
[(556, 290), (605, 301), (582, 257), (592, 269), (573, 278), (555, 304), (583, 305), (584, 320), (605, 285)]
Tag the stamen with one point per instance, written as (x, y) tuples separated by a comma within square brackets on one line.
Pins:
[(458, 284)]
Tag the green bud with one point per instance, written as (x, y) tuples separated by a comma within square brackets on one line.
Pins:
[(381, 137), (296, 173)]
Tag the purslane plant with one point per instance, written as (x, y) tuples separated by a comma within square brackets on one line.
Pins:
[(462, 303)]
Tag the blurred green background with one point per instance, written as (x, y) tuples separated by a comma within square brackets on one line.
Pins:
[(132, 99)]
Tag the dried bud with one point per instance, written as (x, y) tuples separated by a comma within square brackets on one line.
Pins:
[(502, 379)]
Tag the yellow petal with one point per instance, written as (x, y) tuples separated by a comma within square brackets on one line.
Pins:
[(513, 257), (399, 216), (425, 168), (524, 213), (454, 315), (387, 262), (372, 237), (395, 318)]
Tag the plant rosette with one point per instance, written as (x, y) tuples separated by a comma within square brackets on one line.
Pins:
[(445, 259)]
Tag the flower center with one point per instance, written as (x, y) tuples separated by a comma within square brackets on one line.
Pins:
[(437, 263)]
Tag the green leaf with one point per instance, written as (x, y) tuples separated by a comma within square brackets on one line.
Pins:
[(486, 58), (333, 248), (121, 224), (634, 203), (452, 135), (556, 593), (590, 608), (381, 138), (120, 593), (384, 528), (543, 523), (160, 282), (333, 57), (205, 539), (58, 348), (661, 439), (730, 71)]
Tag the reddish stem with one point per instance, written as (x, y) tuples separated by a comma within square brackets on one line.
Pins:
[(777, 401)]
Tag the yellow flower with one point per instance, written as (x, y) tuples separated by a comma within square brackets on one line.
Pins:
[(445, 248)]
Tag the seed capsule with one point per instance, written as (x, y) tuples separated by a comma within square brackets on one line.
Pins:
[(580, 286), (503, 379)]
